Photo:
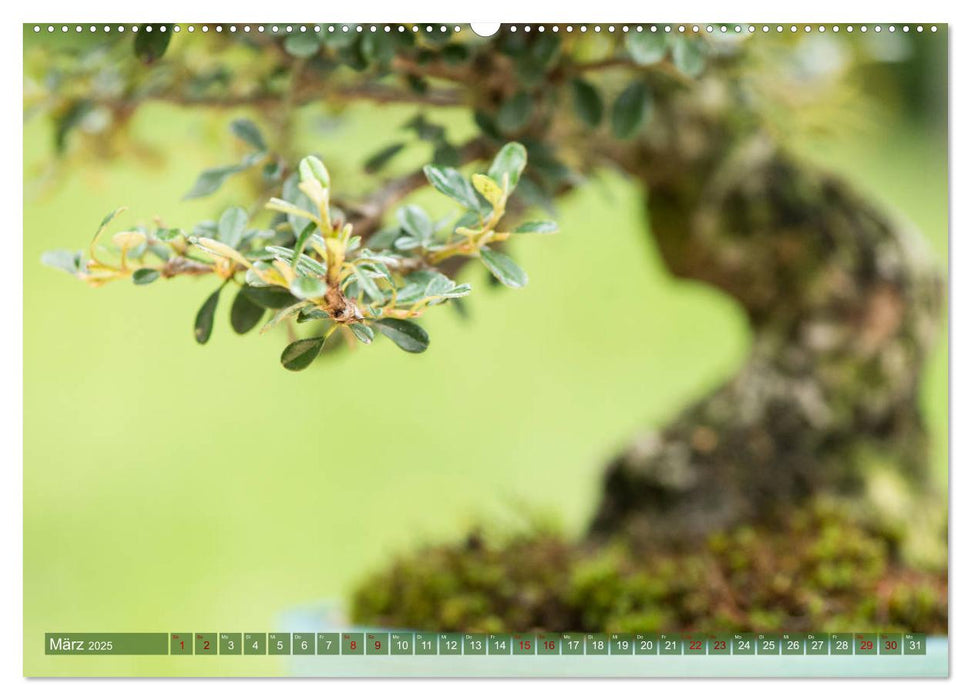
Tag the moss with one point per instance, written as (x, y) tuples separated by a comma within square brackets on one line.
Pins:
[(816, 569)]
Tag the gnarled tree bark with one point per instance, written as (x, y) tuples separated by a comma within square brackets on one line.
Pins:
[(843, 304)]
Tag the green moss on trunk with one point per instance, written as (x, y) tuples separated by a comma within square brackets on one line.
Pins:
[(818, 569)]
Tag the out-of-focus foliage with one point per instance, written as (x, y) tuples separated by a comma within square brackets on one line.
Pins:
[(518, 82)]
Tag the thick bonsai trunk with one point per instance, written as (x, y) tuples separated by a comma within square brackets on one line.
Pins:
[(843, 305)]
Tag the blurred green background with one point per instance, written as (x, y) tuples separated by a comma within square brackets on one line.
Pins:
[(173, 487)]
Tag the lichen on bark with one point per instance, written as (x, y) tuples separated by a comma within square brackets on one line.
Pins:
[(843, 303)]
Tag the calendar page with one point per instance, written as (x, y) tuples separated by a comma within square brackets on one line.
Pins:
[(513, 350)]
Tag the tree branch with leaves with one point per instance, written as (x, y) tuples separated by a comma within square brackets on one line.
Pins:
[(309, 265)]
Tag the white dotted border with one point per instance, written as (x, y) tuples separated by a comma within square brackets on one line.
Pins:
[(555, 28)]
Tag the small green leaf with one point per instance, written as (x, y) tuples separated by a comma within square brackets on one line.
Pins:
[(688, 56), (301, 353), (231, 226), (377, 47), (511, 161), (486, 124), (376, 162), (406, 242), (416, 223), (438, 285), (537, 227), (273, 171), (629, 110), (284, 314), (312, 313), (151, 41), (145, 275), (407, 335), (544, 48), (410, 294), (246, 130), (301, 243), (450, 182), (306, 265), (245, 314), (311, 168), (488, 188), (159, 251), (467, 220), (503, 268), (458, 291), (304, 287), (109, 216), (270, 297), (383, 238), (302, 44), (587, 102), (67, 260), (368, 285), (362, 332), (646, 47), (204, 319), (211, 180), (515, 113), (424, 129), (446, 154), (165, 235), (299, 201)]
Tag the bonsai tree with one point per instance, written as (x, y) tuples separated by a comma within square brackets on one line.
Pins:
[(755, 507)]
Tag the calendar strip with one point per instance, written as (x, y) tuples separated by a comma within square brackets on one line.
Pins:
[(397, 643)]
